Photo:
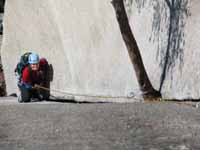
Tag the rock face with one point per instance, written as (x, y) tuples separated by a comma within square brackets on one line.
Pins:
[(83, 43)]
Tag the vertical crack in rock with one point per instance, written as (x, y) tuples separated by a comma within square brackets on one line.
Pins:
[(178, 12), (169, 19)]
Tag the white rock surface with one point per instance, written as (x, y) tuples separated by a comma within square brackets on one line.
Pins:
[(82, 41)]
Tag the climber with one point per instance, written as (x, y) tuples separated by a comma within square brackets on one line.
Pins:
[(34, 73)]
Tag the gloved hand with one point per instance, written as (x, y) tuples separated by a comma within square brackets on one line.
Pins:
[(35, 86)]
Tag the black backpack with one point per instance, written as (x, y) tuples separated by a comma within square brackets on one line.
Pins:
[(21, 65)]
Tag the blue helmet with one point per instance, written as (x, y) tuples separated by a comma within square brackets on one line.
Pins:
[(33, 58)]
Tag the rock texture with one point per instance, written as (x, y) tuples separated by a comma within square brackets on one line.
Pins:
[(83, 43)]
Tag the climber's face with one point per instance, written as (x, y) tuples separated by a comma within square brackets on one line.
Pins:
[(35, 67)]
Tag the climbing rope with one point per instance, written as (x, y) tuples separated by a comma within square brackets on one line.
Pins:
[(85, 95), (149, 100)]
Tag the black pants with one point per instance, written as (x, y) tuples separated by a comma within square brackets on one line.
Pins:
[(26, 94)]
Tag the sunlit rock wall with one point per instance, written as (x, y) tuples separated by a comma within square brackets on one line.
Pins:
[(82, 41)]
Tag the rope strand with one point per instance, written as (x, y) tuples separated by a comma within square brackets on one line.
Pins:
[(77, 94)]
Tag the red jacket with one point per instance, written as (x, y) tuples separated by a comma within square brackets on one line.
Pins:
[(34, 77)]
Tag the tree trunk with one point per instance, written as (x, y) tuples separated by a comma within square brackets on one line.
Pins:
[(133, 50)]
